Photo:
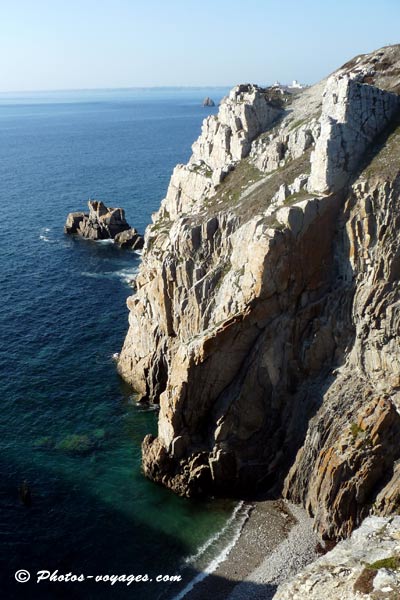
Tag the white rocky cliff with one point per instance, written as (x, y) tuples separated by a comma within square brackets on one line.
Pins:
[(265, 320), (364, 566), (353, 114)]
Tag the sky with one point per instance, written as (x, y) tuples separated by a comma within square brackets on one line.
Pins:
[(83, 44)]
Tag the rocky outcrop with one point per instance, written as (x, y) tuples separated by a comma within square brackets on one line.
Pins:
[(367, 565), (265, 321), (73, 222), (99, 223), (208, 101), (130, 238), (353, 114), (225, 139)]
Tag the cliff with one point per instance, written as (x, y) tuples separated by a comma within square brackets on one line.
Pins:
[(266, 316)]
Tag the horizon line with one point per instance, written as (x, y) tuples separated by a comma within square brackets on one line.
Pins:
[(118, 88)]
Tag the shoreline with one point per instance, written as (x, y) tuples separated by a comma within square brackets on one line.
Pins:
[(273, 544)]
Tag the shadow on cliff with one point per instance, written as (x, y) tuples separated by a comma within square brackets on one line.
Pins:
[(339, 305)]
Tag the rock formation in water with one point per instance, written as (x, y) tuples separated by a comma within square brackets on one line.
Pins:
[(102, 223), (129, 238), (208, 101), (266, 315)]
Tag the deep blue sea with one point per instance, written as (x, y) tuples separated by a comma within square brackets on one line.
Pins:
[(70, 428)]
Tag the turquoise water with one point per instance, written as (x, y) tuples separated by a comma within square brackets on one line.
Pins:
[(70, 427)]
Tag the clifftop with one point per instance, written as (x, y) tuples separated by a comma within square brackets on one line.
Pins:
[(266, 316)]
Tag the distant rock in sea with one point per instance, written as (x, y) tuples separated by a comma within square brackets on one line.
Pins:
[(208, 102), (102, 223)]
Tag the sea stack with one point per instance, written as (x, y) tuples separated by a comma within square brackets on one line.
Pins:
[(101, 223), (208, 102)]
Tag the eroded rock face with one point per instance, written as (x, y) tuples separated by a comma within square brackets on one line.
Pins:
[(99, 224), (364, 566), (225, 139), (265, 321), (345, 468), (353, 114)]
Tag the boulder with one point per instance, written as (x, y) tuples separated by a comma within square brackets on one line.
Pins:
[(129, 238)]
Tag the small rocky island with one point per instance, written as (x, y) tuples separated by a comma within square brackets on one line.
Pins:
[(103, 223), (208, 101)]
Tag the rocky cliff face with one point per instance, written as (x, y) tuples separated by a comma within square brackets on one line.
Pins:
[(266, 316), (364, 566)]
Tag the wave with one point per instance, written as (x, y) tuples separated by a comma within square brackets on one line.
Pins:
[(141, 407), (107, 241), (127, 275), (214, 564), (216, 537), (44, 237)]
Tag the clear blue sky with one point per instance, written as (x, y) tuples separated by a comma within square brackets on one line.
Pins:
[(67, 44)]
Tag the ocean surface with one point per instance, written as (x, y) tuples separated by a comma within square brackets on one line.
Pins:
[(70, 428)]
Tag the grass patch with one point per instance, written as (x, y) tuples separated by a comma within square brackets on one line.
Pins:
[(230, 189), (298, 123), (243, 176), (355, 430), (202, 169), (392, 563), (302, 195), (383, 162)]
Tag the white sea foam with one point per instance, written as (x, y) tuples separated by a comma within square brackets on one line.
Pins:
[(213, 565), (107, 241), (146, 407), (127, 275), (214, 538), (44, 237)]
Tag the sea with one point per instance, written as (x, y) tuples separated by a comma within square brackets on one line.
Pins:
[(74, 502)]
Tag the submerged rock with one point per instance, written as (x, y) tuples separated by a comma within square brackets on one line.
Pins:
[(100, 223), (24, 493), (78, 444), (44, 443)]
